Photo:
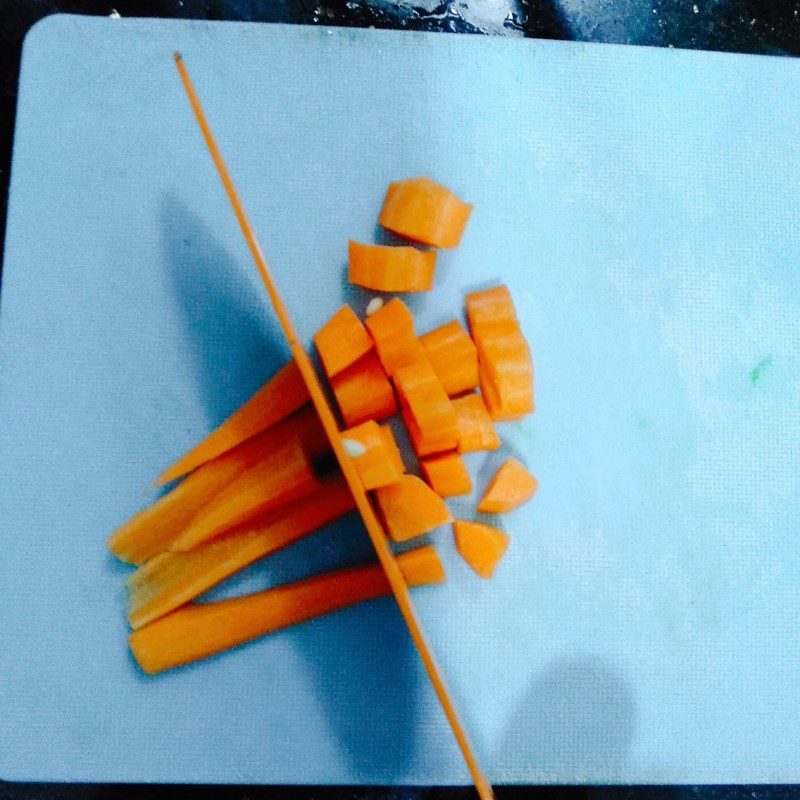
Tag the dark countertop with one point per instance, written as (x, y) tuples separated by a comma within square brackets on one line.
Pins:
[(751, 26)]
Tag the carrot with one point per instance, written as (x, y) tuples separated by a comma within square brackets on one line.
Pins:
[(428, 406), (378, 461), (410, 508), (447, 475), (202, 630), (481, 546), (282, 394), (155, 528), (392, 330), (511, 487), (425, 211), (453, 357), (171, 579), (342, 341), (363, 392), (280, 477), (505, 366), (391, 269), (475, 427)]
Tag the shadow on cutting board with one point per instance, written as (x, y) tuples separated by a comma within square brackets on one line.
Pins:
[(231, 334), (575, 722)]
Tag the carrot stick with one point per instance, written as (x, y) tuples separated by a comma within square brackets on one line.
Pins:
[(171, 579), (391, 269), (425, 211), (392, 330), (376, 455), (475, 427), (410, 508), (453, 357), (282, 394), (363, 392), (341, 341), (447, 475), (481, 546), (428, 406), (282, 476), (511, 487), (202, 630)]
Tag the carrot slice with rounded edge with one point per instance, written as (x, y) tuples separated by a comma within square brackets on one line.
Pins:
[(363, 392), (341, 341), (280, 477), (425, 211), (377, 464), (155, 528), (511, 487), (171, 579), (391, 269), (475, 427), (447, 475), (281, 395), (453, 357), (428, 405), (490, 307), (201, 630), (410, 508), (481, 546), (392, 330)]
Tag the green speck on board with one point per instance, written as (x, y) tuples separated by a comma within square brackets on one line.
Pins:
[(759, 370)]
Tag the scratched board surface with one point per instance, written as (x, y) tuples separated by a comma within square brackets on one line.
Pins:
[(641, 204)]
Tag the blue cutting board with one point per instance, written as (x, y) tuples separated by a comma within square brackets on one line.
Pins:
[(643, 206)]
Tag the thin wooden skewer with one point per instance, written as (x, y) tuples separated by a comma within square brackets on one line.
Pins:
[(374, 527)]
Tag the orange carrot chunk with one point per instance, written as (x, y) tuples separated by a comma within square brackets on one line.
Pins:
[(481, 546), (375, 454), (281, 395), (392, 330), (363, 392), (410, 508), (490, 308), (453, 357), (154, 529), (202, 630), (447, 475), (428, 406), (341, 341), (283, 475), (171, 579), (391, 269), (426, 211), (475, 427), (511, 487)]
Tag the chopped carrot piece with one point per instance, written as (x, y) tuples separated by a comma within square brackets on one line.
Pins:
[(511, 487), (155, 528), (391, 269), (453, 357), (428, 406), (410, 508), (490, 307), (363, 392), (481, 546), (341, 341), (281, 395), (475, 427), (425, 211), (201, 630), (281, 476), (171, 579), (447, 475), (392, 330), (377, 464)]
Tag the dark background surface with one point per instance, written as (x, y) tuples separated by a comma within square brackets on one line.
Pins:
[(748, 26)]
